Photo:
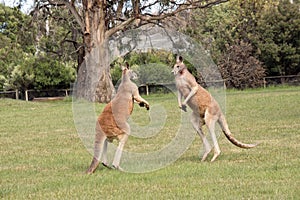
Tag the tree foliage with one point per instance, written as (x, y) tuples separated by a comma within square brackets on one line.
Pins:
[(270, 27), (97, 21), (247, 39), (23, 64), (152, 67), (279, 38), (239, 68)]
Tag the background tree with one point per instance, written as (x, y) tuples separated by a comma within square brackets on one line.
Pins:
[(239, 68), (270, 27), (15, 43), (99, 20), (57, 30), (152, 67), (279, 38), (24, 64)]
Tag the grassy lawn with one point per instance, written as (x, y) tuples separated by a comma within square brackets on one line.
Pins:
[(43, 157)]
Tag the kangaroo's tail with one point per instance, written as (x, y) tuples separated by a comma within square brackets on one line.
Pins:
[(222, 122)]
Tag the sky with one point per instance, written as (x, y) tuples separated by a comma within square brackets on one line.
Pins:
[(26, 8)]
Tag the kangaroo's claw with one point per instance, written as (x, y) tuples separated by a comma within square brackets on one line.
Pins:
[(143, 104), (106, 165), (183, 107)]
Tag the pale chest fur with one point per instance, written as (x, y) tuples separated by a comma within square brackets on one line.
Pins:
[(182, 85), (122, 104)]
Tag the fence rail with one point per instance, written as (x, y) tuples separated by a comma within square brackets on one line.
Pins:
[(64, 92), (14, 92), (281, 80), (144, 89), (28, 95)]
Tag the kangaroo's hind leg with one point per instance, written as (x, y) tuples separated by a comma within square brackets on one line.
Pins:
[(210, 121), (100, 139), (104, 156), (122, 141), (197, 124)]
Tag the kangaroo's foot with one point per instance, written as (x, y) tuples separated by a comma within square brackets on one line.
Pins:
[(107, 166), (216, 154), (207, 149), (205, 156), (93, 166), (118, 168)]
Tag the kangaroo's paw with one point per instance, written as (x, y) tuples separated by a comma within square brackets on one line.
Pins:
[(143, 104), (147, 106), (183, 107)]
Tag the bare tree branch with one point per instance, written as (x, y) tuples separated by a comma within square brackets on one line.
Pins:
[(72, 8), (143, 19), (181, 7), (119, 27)]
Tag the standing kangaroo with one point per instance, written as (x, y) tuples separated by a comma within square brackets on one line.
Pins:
[(205, 109), (112, 122)]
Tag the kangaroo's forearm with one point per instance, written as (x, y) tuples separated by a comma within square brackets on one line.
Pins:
[(139, 99), (179, 97), (192, 93), (142, 102)]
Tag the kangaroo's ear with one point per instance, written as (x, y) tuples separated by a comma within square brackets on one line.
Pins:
[(179, 59), (127, 65)]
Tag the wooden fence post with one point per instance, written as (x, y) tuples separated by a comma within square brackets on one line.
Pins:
[(17, 94), (147, 90), (26, 95)]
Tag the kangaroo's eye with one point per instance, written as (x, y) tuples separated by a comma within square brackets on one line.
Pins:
[(177, 66)]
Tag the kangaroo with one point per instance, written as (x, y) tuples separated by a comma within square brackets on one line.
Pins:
[(112, 122), (205, 109)]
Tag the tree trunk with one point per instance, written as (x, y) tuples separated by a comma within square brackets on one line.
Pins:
[(94, 81)]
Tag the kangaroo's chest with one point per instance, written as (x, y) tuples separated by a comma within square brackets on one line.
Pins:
[(200, 101), (183, 86)]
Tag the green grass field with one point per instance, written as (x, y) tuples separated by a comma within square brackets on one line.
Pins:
[(43, 157)]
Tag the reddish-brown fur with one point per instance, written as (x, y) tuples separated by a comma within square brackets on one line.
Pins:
[(112, 122), (205, 108)]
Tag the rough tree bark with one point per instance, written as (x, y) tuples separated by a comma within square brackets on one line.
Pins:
[(97, 88)]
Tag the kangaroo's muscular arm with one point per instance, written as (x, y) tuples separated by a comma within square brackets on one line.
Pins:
[(181, 105), (193, 91), (179, 97), (142, 102), (193, 85)]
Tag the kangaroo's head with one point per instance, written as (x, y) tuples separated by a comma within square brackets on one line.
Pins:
[(127, 73), (179, 66)]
